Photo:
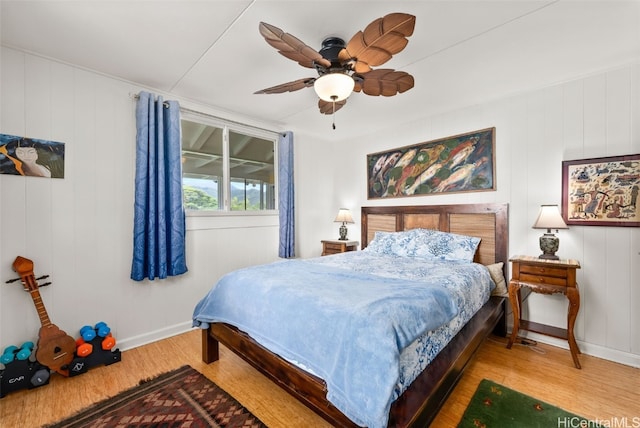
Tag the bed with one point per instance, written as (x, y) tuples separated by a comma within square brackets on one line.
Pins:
[(419, 402)]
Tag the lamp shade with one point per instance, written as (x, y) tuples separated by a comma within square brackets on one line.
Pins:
[(334, 86), (549, 218), (344, 216)]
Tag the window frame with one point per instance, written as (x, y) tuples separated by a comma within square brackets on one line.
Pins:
[(228, 126)]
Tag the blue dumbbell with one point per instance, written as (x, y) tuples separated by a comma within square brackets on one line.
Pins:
[(9, 354), (102, 329), (25, 351), (88, 333)]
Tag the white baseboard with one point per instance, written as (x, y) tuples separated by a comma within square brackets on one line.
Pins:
[(614, 355), (153, 336)]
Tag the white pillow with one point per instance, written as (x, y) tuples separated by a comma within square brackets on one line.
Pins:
[(497, 275)]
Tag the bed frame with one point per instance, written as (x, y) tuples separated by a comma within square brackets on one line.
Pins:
[(419, 404)]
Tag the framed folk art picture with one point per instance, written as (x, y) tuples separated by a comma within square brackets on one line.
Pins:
[(601, 191), (460, 163)]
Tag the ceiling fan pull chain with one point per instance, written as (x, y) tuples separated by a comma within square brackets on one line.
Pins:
[(333, 98)]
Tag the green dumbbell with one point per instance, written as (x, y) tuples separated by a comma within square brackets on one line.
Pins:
[(10, 349), (25, 351), (9, 354)]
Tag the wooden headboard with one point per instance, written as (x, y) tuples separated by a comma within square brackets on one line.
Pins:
[(490, 222)]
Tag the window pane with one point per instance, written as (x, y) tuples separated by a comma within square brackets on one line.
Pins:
[(202, 166), (223, 169), (251, 165)]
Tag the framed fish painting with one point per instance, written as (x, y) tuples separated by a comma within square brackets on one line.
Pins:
[(601, 191), (460, 163)]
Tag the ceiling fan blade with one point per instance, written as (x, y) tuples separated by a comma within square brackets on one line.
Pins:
[(291, 47), (379, 41), (289, 86), (326, 107), (386, 82)]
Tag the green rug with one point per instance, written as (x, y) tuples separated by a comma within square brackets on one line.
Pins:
[(496, 406)]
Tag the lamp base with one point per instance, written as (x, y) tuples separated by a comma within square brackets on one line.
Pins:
[(549, 244), (343, 232)]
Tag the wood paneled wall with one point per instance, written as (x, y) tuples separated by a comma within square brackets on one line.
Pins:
[(79, 229), (592, 116)]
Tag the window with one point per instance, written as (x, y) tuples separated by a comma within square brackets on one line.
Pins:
[(227, 167)]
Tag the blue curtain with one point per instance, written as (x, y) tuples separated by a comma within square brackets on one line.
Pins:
[(286, 196), (159, 220)]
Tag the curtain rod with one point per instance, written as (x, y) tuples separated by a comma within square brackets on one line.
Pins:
[(137, 97), (187, 110)]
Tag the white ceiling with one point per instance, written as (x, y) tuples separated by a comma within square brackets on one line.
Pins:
[(461, 53)]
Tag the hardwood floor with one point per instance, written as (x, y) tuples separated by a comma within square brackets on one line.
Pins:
[(601, 390)]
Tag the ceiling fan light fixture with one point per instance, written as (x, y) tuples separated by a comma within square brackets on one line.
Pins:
[(334, 86)]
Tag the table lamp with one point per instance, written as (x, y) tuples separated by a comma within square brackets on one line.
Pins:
[(344, 216), (549, 218)]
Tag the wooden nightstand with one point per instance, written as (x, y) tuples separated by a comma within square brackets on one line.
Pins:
[(337, 246), (547, 277)]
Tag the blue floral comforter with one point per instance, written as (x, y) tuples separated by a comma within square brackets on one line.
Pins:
[(470, 294), (345, 319)]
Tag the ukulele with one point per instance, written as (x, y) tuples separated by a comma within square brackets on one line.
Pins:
[(55, 348)]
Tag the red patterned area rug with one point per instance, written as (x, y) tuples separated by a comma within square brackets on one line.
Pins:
[(181, 398)]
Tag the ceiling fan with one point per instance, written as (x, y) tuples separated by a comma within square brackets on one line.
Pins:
[(344, 68)]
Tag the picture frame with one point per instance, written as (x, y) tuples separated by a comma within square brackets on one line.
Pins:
[(31, 157), (601, 191), (459, 163)]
